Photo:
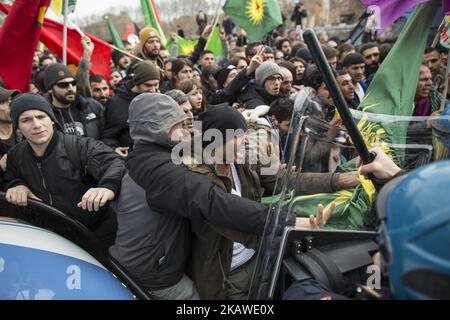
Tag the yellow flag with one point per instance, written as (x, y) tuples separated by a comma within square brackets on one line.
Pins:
[(57, 7)]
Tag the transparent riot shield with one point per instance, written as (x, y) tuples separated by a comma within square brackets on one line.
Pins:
[(279, 217), (314, 145)]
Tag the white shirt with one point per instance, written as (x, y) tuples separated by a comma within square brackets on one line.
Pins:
[(240, 253)]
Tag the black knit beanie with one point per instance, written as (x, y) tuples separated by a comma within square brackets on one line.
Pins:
[(29, 101), (145, 71), (222, 118), (54, 73), (222, 74)]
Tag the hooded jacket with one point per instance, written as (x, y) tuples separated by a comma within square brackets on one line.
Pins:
[(255, 95), (116, 132), (153, 245), (86, 111), (174, 196)]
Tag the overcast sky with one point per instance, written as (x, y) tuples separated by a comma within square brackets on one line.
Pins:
[(88, 7)]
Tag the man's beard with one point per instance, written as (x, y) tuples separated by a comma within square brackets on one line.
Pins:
[(152, 55), (104, 101), (62, 98), (371, 69)]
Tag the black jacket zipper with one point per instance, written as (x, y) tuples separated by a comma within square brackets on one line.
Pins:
[(39, 165)]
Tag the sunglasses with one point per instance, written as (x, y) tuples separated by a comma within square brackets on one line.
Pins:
[(64, 85)]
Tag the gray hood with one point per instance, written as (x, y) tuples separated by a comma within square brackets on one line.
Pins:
[(151, 116)]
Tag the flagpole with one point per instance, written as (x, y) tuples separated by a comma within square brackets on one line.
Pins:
[(65, 9), (212, 30), (216, 20), (125, 53), (438, 34), (444, 94), (81, 33), (217, 10)]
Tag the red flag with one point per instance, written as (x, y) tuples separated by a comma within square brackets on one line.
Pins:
[(19, 37), (131, 30), (51, 37)]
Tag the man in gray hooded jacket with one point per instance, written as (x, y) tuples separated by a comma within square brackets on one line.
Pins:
[(159, 198)]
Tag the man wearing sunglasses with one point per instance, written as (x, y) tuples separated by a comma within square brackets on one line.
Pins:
[(75, 114)]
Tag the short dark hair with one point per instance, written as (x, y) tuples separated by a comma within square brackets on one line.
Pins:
[(431, 49), (367, 46), (298, 46), (344, 47), (280, 42), (208, 71), (179, 64), (96, 78), (298, 59), (205, 52), (250, 48), (235, 61), (353, 58), (282, 109), (330, 52), (341, 72), (312, 77)]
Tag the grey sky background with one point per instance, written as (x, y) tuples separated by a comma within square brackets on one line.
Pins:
[(89, 7)]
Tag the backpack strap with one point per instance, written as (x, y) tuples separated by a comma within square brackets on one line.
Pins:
[(70, 145)]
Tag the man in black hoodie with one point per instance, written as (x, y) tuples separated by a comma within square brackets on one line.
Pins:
[(75, 114), (117, 134)]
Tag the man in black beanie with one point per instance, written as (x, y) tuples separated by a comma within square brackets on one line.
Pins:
[(224, 76), (75, 114), (146, 78), (230, 173), (121, 62), (71, 173)]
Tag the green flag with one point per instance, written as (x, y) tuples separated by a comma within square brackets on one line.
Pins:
[(214, 43), (256, 17), (393, 88), (185, 47), (151, 17), (114, 35), (354, 207)]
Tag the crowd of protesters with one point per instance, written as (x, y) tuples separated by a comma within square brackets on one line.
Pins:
[(101, 152)]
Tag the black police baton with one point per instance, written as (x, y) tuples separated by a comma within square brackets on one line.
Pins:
[(322, 64)]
